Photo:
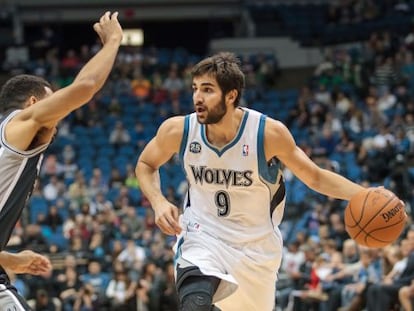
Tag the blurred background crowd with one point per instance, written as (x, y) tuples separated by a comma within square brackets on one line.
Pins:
[(352, 113)]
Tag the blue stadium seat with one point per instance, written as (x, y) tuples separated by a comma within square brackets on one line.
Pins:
[(37, 205), (57, 238), (112, 194), (135, 195)]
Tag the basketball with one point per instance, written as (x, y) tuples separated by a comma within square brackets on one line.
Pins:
[(375, 217)]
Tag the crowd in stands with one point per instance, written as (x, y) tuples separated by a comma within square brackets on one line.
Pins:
[(355, 116), (317, 22)]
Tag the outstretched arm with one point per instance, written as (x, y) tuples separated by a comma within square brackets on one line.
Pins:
[(25, 262), (280, 143), (47, 112), (158, 151)]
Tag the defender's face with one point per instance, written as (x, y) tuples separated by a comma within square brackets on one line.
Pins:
[(209, 102)]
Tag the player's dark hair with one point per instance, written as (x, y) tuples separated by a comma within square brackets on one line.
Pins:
[(18, 89), (225, 68)]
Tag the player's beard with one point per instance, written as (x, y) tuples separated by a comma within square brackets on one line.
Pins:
[(215, 114)]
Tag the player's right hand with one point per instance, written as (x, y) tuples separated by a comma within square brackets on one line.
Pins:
[(166, 218), (108, 28)]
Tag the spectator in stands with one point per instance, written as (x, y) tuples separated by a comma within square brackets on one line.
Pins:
[(71, 62), (131, 180), (119, 135), (69, 169), (406, 297), (53, 220), (98, 183), (97, 248), (134, 222), (86, 299), (94, 112), (140, 299), (350, 251), (44, 302), (99, 203), (342, 272), (69, 286), (306, 282), (326, 141), (353, 293), (33, 238), (78, 247), (397, 269), (116, 180), (323, 95), (159, 94), (387, 100), (133, 256), (390, 256), (345, 143), (385, 75), (96, 278), (338, 232), (383, 296), (50, 166), (68, 153), (153, 280), (293, 258), (78, 191), (44, 281), (116, 248), (141, 86), (173, 83), (117, 290), (169, 298), (53, 189)]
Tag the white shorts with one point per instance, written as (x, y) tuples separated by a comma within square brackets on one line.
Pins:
[(248, 271), (10, 300)]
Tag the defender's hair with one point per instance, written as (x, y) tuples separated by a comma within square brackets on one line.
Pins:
[(225, 67), (18, 89)]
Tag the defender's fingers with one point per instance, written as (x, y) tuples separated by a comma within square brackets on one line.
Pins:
[(114, 15), (105, 17), (97, 27)]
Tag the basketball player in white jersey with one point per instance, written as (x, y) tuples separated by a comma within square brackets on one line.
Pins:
[(229, 246), (30, 112)]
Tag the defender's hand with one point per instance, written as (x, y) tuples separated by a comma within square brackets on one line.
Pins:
[(29, 262), (108, 28)]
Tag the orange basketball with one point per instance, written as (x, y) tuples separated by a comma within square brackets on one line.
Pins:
[(375, 217)]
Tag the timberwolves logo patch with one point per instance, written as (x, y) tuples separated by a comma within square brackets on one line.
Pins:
[(195, 147)]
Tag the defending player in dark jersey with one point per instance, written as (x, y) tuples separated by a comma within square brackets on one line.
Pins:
[(30, 112)]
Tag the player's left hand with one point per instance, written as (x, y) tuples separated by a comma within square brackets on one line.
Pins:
[(30, 262)]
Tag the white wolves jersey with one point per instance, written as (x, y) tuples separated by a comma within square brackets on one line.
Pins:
[(18, 172), (234, 193)]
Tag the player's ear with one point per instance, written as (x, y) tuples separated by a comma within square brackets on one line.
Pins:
[(30, 101), (232, 95)]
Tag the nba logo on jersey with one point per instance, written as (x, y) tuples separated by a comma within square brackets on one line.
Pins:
[(245, 150)]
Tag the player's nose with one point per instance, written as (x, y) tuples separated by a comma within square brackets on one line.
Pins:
[(197, 98)]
